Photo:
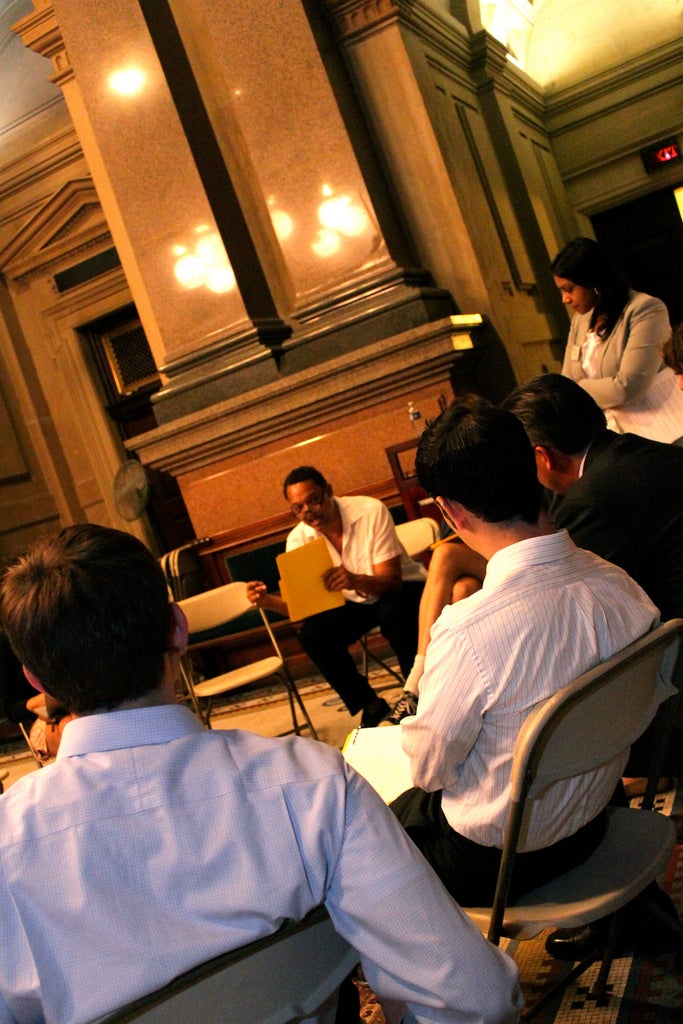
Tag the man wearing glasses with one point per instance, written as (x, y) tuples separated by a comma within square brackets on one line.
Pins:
[(547, 612), (380, 583)]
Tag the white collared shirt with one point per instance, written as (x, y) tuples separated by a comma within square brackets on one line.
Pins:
[(368, 538), (152, 844), (547, 612)]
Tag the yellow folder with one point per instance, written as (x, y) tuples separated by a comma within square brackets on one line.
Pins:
[(301, 585)]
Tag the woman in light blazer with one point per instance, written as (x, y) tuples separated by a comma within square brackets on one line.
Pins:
[(616, 334)]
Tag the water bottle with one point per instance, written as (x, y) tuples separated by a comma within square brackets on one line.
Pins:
[(415, 417)]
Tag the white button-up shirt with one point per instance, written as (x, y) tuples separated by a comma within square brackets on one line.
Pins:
[(547, 612), (152, 844), (369, 537)]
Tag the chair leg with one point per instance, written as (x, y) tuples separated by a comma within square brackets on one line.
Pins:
[(186, 670), (599, 988), (366, 654), (294, 695)]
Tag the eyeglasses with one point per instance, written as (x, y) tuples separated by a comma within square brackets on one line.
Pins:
[(314, 504)]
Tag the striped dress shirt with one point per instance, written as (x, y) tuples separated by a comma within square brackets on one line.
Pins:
[(547, 612)]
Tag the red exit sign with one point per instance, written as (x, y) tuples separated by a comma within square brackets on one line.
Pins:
[(664, 153)]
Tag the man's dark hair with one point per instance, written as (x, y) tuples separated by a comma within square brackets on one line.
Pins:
[(590, 264), (557, 413), (87, 611), (482, 459), (301, 474)]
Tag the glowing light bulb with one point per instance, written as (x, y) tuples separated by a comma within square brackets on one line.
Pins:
[(220, 279), (210, 249), (127, 81), (326, 244), (282, 223), (190, 271), (342, 214)]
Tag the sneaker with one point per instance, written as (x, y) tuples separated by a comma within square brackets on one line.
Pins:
[(404, 706), (374, 712)]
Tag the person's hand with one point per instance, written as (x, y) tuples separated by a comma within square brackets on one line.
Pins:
[(339, 578), (256, 592)]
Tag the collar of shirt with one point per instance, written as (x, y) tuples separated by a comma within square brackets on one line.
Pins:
[(583, 460), (525, 554), (134, 727)]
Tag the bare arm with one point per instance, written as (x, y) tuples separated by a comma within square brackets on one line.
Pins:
[(455, 571), (257, 592)]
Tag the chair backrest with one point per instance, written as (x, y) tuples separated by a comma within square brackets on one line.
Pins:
[(596, 717), (417, 534), (182, 569), (292, 974), (215, 607), (581, 727)]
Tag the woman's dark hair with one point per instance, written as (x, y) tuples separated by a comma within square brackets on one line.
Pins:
[(300, 475), (588, 263), (88, 613), (672, 353), (482, 459)]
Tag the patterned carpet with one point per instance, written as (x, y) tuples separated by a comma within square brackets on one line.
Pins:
[(642, 989)]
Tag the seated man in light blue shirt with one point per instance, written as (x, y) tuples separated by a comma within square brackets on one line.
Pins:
[(152, 845)]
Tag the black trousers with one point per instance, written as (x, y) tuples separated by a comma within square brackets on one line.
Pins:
[(469, 870), (326, 638)]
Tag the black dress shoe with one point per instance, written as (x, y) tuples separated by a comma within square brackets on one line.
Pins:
[(374, 712), (575, 944)]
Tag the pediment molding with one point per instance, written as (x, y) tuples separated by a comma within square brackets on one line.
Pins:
[(71, 222)]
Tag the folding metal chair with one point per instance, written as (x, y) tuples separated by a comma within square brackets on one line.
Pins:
[(582, 726), (207, 614), (286, 977), (416, 536)]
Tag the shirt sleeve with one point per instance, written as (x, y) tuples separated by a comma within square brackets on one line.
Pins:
[(420, 952), (384, 539), (6, 1017), (453, 699), (646, 329)]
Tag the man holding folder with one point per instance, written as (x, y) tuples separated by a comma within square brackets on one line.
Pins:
[(377, 582)]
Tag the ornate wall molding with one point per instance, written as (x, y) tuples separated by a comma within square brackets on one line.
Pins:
[(70, 223), (354, 19), (350, 384)]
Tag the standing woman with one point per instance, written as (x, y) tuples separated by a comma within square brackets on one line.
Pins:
[(616, 335)]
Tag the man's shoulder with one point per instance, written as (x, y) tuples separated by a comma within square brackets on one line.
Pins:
[(361, 503), (355, 507), (281, 759), (617, 458)]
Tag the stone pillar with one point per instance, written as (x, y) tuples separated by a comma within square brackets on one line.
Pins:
[(382, 67), (241, 190)]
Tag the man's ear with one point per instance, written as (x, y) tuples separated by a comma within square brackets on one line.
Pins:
[(33, 680), (455, 513), (546, 456), (179, 630)]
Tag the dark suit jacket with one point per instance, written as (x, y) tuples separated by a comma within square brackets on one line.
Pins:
[(628, 508)]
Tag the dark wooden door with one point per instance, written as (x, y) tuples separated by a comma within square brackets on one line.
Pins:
[(647, 234)]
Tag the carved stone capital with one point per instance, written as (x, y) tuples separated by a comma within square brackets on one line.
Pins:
[(40, 32), (356, 18)]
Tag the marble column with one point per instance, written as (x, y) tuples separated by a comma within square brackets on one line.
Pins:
[(240, 185)]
